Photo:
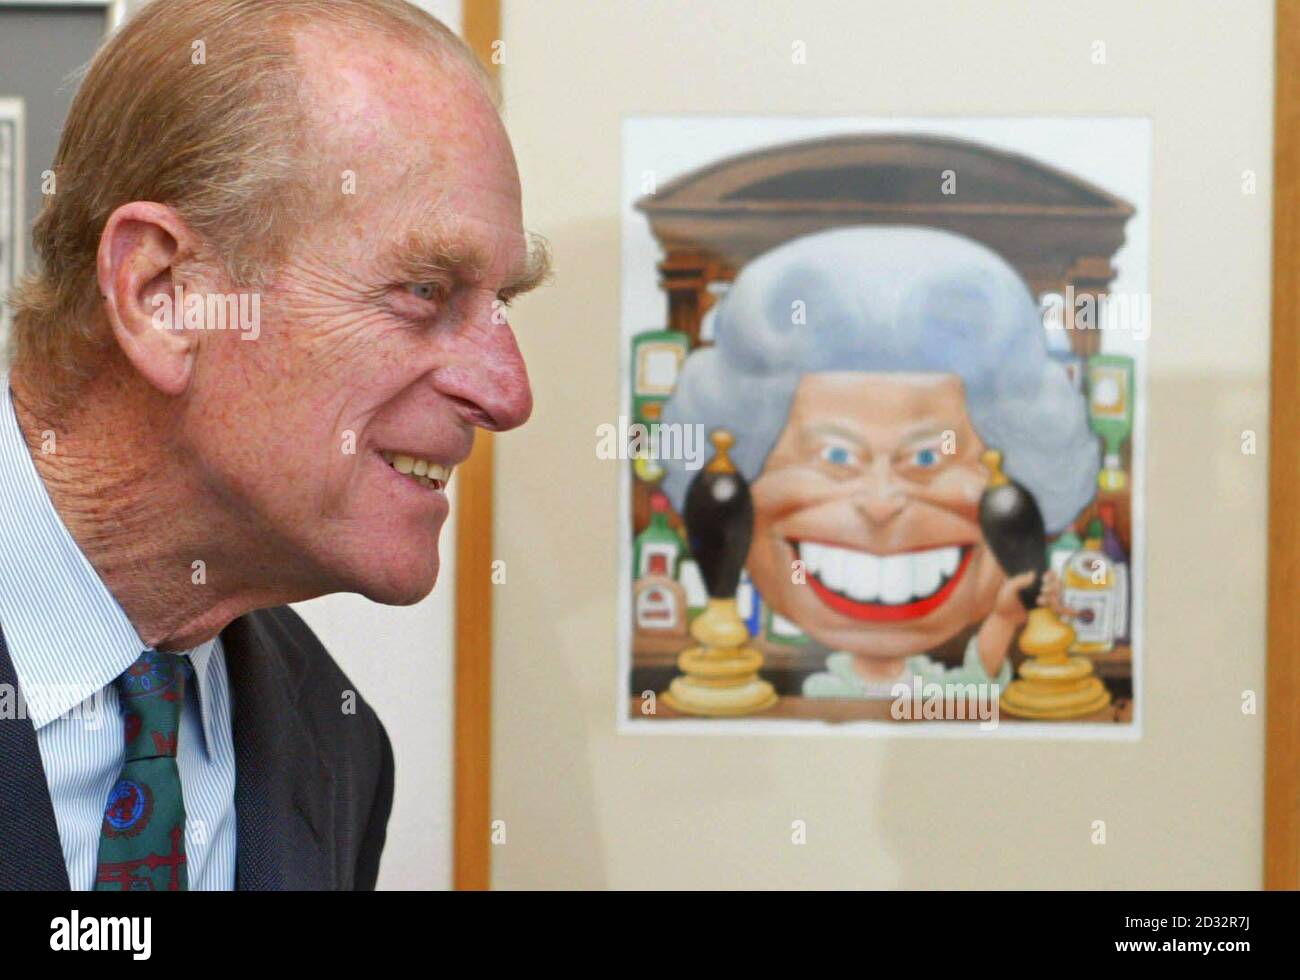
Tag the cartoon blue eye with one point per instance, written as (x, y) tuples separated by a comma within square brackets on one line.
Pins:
[(837, 455), (926, 458)]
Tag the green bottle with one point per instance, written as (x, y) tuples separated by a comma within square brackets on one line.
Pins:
[(658, 538), (1060, 550), (657, 357), (1110, 412)]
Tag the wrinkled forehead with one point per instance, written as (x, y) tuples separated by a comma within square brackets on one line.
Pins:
[(410, 150), (878, 392), (400, 113), (878, 403)]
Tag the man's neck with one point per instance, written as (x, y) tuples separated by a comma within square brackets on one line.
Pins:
[(179, 567)]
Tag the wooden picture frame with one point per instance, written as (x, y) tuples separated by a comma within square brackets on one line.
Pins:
[(472, 769), (1282, 710), (1281, 858)]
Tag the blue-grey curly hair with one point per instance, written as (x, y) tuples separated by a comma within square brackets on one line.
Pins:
[(890, 299)]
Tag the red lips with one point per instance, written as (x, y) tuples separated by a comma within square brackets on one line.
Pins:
[(875, 612)]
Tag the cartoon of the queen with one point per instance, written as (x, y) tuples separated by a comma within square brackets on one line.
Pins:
[(863, 371)]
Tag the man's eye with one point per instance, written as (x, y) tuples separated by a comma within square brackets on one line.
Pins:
[(925, 458), (427, 291)]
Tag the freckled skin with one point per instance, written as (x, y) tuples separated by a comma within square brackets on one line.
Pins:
[(878, 499), (345, 349)]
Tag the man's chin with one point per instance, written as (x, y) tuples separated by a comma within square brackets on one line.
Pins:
[(405, 589)]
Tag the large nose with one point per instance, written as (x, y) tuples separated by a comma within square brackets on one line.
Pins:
[(488, 380), (881, 496)]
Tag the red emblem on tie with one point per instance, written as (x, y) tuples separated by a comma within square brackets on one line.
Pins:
[(164, 744)]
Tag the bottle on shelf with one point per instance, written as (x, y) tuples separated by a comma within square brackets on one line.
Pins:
[(657, 357), (658, 538), (749, 604), (659, 603), (697, 596), (1113, 548), (1060, 550), (1089, 588), (1110, 412)]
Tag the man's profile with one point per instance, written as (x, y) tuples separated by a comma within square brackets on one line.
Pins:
[(268, 316)]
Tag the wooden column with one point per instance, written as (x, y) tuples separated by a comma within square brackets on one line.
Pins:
[(1282, 734), (472, 768)]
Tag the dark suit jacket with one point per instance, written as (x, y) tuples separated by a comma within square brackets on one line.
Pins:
[(313, 784)]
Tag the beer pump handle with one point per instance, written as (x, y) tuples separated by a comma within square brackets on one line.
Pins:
[(719, 519), (1013, 527)]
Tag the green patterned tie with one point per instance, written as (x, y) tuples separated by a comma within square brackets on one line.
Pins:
[(142, 842)]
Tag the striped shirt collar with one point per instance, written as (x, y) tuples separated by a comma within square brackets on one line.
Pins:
[(67, 636)]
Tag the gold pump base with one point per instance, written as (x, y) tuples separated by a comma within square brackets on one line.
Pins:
[(720, 676), (1052, 685)]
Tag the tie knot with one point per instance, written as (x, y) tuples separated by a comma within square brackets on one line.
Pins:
[(152, 691)]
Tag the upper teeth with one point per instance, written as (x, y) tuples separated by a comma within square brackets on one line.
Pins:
[(410, 466), (891, 579)]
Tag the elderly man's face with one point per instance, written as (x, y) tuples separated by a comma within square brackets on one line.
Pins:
[(383, 335), (860, 489)]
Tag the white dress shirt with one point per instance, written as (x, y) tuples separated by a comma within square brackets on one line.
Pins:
[(69, 640)]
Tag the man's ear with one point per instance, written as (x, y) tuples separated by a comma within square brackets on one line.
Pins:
[(140, 247)]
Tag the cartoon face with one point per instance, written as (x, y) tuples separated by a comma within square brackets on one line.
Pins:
[(874, 485)]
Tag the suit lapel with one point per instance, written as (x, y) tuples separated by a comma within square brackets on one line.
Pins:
[(31, 856), (283, 793)]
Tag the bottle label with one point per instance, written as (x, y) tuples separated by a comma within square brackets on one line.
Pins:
[(658, 608), (651, 550), (1094, 620)]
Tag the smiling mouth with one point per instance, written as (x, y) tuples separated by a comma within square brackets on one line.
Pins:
[(433, 476), (882, 588)]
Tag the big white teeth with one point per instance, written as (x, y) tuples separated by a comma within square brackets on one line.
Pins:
[(861, 573), (422, 471), (888, 579), (895, 578), (926, 575), (833, 571)]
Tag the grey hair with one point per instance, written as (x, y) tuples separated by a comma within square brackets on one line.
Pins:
[(890, 299)]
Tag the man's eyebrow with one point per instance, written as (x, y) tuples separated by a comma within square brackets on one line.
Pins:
[(926, 431), (836, 430), (536, 269), (430, 256)]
